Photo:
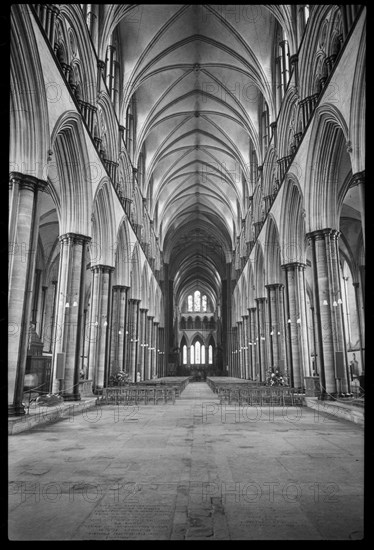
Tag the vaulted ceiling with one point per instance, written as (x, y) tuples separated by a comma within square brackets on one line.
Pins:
[(198, 73)]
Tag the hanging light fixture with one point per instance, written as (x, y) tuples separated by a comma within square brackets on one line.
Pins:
[(335, 303), (298, 321), (289, 321), (325, 303), (75, 303), (340, 301), (67, 304)]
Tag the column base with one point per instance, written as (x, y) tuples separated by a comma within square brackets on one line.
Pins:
[(71, 396), (16, 409)]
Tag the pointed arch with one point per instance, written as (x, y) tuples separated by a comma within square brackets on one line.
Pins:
[(70, 174), (29, 126), (272, 252), (292, 223), (104, 234), (123, 254)]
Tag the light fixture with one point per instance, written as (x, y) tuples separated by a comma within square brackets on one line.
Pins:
[(340, 301), (105, 323), (289, 321), (67, 304), (298, 321), (325, 303), (75, 303), (96, 323), (334, 303), (272, 332), (279, 333), (119, 332)]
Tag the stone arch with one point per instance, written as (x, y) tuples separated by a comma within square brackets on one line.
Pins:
[(145, 287), (70, 174), (272, 252), (29, 126), (259, 273), (107, 128), (103, 223), (123, 254), (292, 223), (327, 142), (135, 276)]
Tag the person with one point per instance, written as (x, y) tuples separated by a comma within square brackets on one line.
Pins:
[(138, 377)]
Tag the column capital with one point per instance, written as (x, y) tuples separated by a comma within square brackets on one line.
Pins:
[(260, 300), (134, 300), (357, 179), (150, 317), (319, 234), (75, 238), (25, 181), (292, 266), (100, 64), (156, 323), (252, 309), (120, 287), (274, 286), (143, 309), (102, 268), (245, 316)]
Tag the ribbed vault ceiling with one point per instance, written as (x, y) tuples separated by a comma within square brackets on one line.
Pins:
[(198, 72)]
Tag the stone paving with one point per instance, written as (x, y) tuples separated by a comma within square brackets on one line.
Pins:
[(190, 471)]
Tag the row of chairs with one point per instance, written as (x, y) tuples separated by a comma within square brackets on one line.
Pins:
[(135, 395), (264, 395)]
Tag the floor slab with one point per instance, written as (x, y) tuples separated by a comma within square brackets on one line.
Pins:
[(195, 470)]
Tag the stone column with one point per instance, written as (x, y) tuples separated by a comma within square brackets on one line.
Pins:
[(254, 370), (359, 180), (69, 315), (133, 334), (261, 342), (240, 350), (142, 340), (155, 347), (50, 316), (42, 315), (150, 345), (99, 331), (24, 226), (246, 347), (329, 318), (118, 328), (298, 326), (361, 321)]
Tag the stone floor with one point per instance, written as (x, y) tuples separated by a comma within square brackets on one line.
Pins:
[(190, 471)]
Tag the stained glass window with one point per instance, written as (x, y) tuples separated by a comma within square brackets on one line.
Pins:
[(203, 355), (197, 353), (197, 300), (184, 355), (192, 354), (204, 302), (190, 303), (210, 355)]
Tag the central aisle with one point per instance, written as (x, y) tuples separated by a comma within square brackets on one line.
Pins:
[(189, 471)]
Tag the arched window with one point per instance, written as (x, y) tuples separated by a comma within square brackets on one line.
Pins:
[(204, 303), (190, 303), (192, 354), (184, 355), (197, 353), (210, 355), (306, 13), (203, 355), (197, 300)]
